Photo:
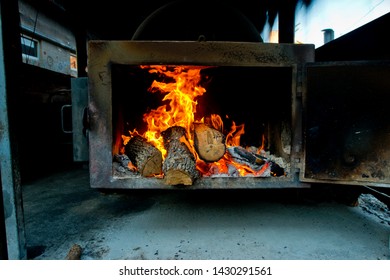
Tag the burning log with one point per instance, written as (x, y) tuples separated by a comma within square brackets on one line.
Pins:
[(255, 161), (179, 166), (146, 157), (243, 156), (209, 142)]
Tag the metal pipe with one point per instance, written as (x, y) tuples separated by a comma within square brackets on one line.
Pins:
[(328, 35)]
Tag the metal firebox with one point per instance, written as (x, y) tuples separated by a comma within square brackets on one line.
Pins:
[(276, 88)]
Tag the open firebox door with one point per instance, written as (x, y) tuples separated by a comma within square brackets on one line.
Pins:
[(347, 123)]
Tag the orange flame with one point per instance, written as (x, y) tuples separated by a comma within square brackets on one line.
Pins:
[(181, 93), (216, 122), (234, 136)]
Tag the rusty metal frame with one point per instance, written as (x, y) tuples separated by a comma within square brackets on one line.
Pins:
[(103, 54)]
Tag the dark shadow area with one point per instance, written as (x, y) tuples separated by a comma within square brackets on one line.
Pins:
[(44, 148), (35, 251)]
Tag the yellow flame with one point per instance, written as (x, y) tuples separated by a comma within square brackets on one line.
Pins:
[(234, 136), (181, 93)]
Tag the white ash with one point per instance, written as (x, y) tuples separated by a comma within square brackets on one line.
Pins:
[(121, 165), (371, 205)]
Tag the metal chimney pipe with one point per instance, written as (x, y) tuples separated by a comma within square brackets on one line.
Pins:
[(328, 35)]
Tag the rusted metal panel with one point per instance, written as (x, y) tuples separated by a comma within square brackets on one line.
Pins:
[(347, 128), (197, 53)]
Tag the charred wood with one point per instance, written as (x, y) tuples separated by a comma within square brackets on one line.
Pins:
[(254, 161), (123, 164), (277, 170), (123, 160), (146, 157), (241, 155)]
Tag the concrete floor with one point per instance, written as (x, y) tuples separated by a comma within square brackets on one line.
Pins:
[(61, 210)]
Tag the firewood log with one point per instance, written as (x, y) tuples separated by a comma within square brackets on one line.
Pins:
[(179, 166), (74, 252), (146, 157), (254, 161), (209, 143), (243, 156)]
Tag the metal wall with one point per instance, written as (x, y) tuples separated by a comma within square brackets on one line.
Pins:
[(10, 62)]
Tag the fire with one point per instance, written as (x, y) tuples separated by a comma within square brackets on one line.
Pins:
[(181, 92), (226, 164), (215, 121), (181, 88), (234, 136)]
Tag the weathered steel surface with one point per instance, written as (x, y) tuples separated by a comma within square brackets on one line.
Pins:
[(210, 183), (197, 53), (10, 58), (79, 107)]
